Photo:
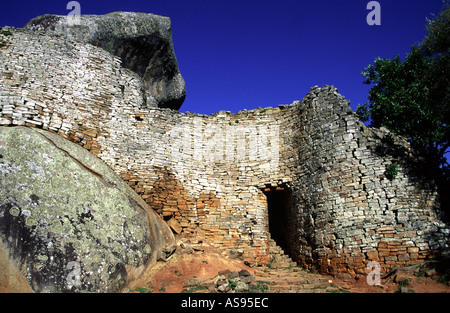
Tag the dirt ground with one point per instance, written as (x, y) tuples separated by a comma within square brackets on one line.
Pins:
[(170, 276), (391, 285), (204, 265), (11, 278)]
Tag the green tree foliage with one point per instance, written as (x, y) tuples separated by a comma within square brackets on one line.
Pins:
[(412, 97)]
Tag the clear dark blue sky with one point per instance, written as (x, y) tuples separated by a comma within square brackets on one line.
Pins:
[(244, 54)]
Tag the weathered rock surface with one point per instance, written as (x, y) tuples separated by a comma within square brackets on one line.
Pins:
[(67, 221), (142, 41), (218, 178)]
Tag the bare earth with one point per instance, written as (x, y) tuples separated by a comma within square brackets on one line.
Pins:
[(203, 266)]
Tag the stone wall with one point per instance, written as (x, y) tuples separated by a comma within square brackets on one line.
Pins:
[(143, 42), (208, 176), (348, 212)]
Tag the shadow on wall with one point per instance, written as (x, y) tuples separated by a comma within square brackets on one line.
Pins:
[(426, 175)]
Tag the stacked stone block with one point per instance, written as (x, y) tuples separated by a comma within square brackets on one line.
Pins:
[(349, 212), (206, 175)]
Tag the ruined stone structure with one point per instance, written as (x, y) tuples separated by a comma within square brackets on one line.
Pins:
[(143, 42), (308, 174)]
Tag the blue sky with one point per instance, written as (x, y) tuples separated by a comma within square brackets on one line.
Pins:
[(246, 54)]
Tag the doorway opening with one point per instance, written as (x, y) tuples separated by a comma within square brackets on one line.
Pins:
[(281, 216)]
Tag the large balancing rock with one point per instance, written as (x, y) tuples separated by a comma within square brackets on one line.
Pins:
[(142, 41)]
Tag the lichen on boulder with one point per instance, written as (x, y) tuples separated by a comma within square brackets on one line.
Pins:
[(68, 223)]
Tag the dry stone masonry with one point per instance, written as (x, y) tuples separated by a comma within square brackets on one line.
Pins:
[(142, 41), (309, 173)]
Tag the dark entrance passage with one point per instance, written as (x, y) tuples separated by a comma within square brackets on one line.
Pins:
[(281, 217)]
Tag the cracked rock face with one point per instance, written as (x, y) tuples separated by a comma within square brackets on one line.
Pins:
[(142, 41), (67, 222)]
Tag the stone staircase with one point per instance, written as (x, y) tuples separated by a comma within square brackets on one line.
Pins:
[(278, 258), (283, 275), (296, 280)]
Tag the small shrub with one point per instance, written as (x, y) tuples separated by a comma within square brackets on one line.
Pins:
[(258, 287), (391, 171), (194, 288), (232, 284), (445, 278), (404, 282), (142, 290), (6, 32)]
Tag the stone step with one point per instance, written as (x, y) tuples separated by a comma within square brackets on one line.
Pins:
[(279, 288), (301, 288), (282, 261), (276, 250), (273, 247), (279, 256), (294, 280)]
